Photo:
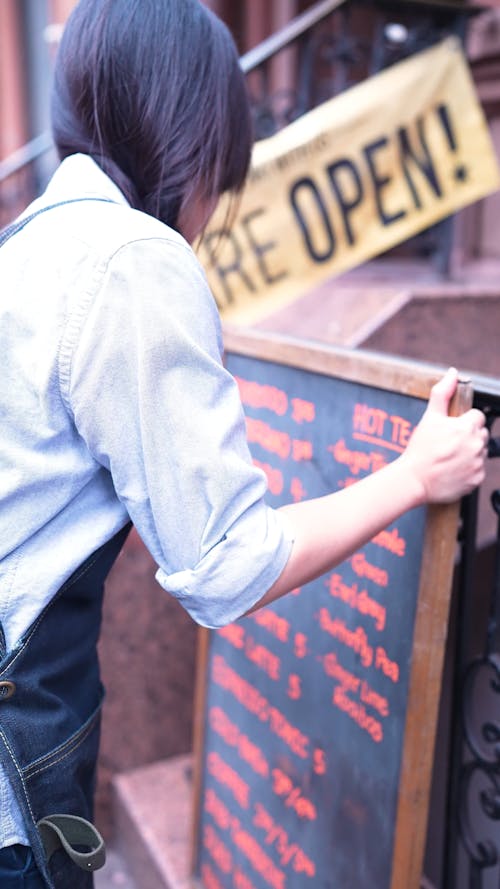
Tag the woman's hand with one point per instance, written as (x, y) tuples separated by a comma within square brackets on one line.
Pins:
[(446, 455)]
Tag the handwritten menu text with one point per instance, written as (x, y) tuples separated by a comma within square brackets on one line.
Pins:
[(306, 700)]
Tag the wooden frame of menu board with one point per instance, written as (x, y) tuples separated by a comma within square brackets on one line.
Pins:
[(281, 361)]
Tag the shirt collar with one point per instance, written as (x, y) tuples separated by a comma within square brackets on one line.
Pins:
[(79, 176)]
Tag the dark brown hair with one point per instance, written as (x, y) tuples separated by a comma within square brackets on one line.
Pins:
[(153, 91)]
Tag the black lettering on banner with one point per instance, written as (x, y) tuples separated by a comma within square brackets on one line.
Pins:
[(445, 118), (308, 188), (347, 204), (232, 266), (421, 157), (380, 182), (461, 172), (259, 249)]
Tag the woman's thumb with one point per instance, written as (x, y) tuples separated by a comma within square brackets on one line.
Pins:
[(443, 391)]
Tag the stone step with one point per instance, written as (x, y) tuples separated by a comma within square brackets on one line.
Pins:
[(115, 874), (152, 808)]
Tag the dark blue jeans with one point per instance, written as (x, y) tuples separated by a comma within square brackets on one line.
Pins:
[(18, 869), (49, 721)]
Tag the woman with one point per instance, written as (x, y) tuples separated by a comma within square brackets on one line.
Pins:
[(116, 408)]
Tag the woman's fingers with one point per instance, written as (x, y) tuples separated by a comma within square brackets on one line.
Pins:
[(443, 391)]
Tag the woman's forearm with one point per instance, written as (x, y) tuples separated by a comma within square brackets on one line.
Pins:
[(443, 461), (327, 530)]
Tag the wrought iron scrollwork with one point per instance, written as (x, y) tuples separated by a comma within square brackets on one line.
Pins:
[(480, 784), (479, 776), (349, 44)]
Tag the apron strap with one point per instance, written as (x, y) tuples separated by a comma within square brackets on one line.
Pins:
[(68, 832), (19, 225)]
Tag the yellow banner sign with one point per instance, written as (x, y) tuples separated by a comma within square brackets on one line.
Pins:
[(350, 179)]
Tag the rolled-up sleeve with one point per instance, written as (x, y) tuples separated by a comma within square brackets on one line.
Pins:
[(155, 406)]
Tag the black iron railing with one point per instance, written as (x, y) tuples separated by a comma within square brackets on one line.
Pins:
[(337, 44), (472, 840), (23, 176)]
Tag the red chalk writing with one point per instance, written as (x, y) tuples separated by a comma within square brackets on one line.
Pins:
[(335, 670), (358, 600), (373, 424), (234, 633), (278, 626), (303, 411), (391, 541), (300, 645), (289, 853), (302, 450), (241, 881), (274, 477), (374, 699), (210, 881), (263, 658), (319, 761), (363, 568), (369, 420), (257, 704), (257, 395), (356, 639), (293, 797), (294, 690), (357, 461), (388, 667), (278, 746), (261, 862), (243, 841), (357, 712), (276, 442), (401, 430), (248, 751), (378, 441), (270, 439), (297, 490), (227, 776), (217, 850), (218, 810), (347, 482)]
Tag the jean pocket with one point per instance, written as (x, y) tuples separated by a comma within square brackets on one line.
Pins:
[(64, 780)]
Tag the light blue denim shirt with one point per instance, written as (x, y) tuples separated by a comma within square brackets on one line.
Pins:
[(114, 404)]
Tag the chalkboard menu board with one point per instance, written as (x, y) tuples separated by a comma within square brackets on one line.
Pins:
[(316, 715)]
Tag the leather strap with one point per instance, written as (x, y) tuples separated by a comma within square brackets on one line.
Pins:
[(68, 832)]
